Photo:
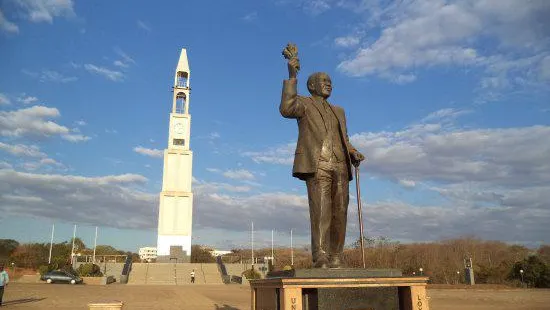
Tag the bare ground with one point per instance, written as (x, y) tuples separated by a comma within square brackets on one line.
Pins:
[(236, 297)]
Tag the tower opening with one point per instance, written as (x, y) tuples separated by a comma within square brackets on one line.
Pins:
[(181, 103), (182, 79)]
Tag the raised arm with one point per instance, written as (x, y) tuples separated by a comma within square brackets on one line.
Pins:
[(290, 106)]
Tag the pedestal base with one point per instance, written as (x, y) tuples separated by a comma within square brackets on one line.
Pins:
[(345, 293)]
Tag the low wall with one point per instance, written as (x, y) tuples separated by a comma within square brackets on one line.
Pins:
[(99, 280), (107, 268), (35, 278)]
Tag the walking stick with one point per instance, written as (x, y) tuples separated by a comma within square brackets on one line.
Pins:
[(360, 215)]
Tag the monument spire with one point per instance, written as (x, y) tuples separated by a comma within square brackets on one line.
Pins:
[(176, 198)]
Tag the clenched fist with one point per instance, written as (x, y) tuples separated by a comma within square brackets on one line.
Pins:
[(356, 158)]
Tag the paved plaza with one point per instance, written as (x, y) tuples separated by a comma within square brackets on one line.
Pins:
[(237, 297)]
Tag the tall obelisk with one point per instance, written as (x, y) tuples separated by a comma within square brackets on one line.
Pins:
[(176, 198)]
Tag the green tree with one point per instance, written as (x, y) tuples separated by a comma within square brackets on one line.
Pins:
[(30, 255), (78, 244), (7, 247), (544, 253), (535, 272), (201, 254), (105, 250), (89, 270)]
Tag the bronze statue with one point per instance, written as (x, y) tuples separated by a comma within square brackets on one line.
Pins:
[(323, 159)]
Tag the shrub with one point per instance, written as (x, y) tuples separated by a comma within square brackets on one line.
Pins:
[(251, 274), (89, 270), (43, 269), (535, 272)]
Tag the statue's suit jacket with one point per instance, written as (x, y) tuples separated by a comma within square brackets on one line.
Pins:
[(311, 129)]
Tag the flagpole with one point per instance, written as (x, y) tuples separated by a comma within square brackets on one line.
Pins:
[(252, 239), (72, 248), (51, 245), (291, 251), (360, 213), (95, 245)]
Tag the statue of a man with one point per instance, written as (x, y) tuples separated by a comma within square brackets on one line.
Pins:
[(323, 160)]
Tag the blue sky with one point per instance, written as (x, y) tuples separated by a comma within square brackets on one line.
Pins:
[(449, 101)]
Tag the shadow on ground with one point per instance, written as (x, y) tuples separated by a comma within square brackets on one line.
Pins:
[(23, 301), (225, 307)]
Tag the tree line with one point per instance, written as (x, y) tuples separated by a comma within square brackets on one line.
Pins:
[(34, 255), (494, 262)]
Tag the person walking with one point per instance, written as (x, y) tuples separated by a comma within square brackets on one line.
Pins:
[(192, 276), (4, 280)]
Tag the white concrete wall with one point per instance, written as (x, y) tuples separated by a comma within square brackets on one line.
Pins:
[(165, 241), (175, 215)]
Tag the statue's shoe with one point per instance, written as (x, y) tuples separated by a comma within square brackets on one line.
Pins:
[(321, 262), (335, 262)]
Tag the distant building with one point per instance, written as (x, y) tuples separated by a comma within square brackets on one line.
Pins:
[(147, 253), (216, 253)]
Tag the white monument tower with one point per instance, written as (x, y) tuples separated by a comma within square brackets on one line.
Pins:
[(176, 198)]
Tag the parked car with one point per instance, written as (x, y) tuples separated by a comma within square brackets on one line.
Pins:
[(58, 276)]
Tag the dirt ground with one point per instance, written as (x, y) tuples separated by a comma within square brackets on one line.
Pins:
[(236, 297)]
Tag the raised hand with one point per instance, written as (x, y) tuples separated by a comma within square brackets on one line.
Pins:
[(293, 67), (290, 52), (356, 158)]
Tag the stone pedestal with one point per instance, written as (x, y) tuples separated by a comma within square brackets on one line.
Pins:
[(106, 305), (335, 289)]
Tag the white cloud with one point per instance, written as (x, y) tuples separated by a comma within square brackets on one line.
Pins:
[(399, 220), (407, 183), (148, 152), (347, 41), (31, 120), (448, 114), (81, 123), (239, 174), (50, 76), (75, 137), (216, 187), (282, 154), (143, 26), (316, 6), (121, 64), (250, 17), (503, 156), (46, 10), (22, 150), (85, 199), (27, 99), (428, 33), (6, 25), (40, 160), (436, 150), (4, 100), (403, 78), (5, 165), (44, 164), (34, 121), (79, 199), (127, 59), (107, 73)]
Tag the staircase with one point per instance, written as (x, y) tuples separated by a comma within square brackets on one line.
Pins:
[(173, 274)]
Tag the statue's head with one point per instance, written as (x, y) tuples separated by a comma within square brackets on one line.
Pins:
[(319, 84)]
